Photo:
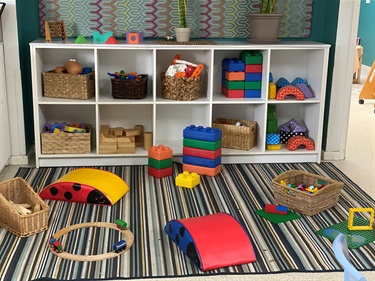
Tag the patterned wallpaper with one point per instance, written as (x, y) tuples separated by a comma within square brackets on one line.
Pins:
[(157, 18)]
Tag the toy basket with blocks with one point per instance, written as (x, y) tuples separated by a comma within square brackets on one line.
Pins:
[(180, 88), (129, 89), (15, 195), (305, 202), (243, 137)]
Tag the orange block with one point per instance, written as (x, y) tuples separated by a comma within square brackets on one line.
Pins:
[(234, 75), (160, 152), (200, 170), (134, 37)]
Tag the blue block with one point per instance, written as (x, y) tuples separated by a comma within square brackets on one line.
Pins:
[(201, 133), (253, 93), (233, 64), (272, 138), (253, 77), (204, 162), (281, 208)]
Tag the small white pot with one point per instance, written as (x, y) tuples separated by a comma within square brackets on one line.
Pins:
[(182, 34)]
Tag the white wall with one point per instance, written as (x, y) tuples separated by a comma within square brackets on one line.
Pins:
[(13, 85)]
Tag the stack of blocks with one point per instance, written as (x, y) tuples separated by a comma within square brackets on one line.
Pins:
[(160, 161), (272, 135), (242, 78), (202, 150)]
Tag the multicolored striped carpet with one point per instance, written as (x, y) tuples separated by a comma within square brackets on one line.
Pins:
[(239, 190)]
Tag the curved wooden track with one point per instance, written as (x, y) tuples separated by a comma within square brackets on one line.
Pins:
[(128, 235)]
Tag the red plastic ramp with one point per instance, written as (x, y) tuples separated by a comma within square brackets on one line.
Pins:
[(212, 241)]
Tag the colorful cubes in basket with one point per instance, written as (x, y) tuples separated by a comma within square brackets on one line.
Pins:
[(61, 142), (160, 161), (21, 221), (242, 78), (68, 86), (202, 150), (237, 134)]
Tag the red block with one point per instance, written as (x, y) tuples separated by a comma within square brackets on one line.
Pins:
[(254, 68), (271, 208), (203, 153), (162, 173), (233, 93)]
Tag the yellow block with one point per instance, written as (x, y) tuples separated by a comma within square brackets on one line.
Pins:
[(360, 227), (273, 146)]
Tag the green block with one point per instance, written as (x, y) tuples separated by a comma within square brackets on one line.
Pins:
[(80, 40), (208, 145), (251, 57), (160, 164), (272, 126), (233, 85), (276, 218), (253, 85)]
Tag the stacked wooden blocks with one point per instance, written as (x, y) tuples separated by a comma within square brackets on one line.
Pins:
[(160, 161), (202, 150), (119, 140), (242, 78)]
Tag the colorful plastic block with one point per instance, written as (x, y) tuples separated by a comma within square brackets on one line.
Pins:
[(251, 57), (233, 85), (111, 40), (234, 75), (272, 138), (272, 91), (203, 153), (202, 170), (253, 93), (233, 64), (187, 179), (99, 38), (253, 77), (210, 163), (160, 152), (285, 136), (273, 146), (209, 145), (257, 68), (292, 126), (160, 164), (285, 91), (162, 173), (276, 209), (134, 37), (202, 133), (297, 141), (272, 125), (232, 93), (253, 85), (80, 40), (351, 225)]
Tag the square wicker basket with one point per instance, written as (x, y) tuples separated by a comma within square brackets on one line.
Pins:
[(181, 88), (129, 89), (304, 202), (242, 137), (69, 86), (20, 192), (66, 143)]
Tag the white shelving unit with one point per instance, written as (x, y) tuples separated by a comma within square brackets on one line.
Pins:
[(167, 118)]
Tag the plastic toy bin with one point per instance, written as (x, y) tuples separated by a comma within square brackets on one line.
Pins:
[(19, 191), (302, 201)]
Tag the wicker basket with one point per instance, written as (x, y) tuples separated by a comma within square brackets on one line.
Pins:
[(66, 143), (69, 86), (181, 88), (237, 137), (129, 89), (304, 202), (20, 192)]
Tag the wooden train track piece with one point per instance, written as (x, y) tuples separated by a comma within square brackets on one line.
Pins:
[(128, 236)]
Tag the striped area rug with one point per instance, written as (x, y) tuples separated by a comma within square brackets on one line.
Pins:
[(239, 190)]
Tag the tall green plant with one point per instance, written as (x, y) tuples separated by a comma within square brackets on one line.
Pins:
[(268, 6), (182, 13)]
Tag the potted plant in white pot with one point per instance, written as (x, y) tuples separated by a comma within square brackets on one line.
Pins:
[(183, 32), (265, 25)]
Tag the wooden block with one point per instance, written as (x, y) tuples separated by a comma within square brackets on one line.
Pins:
[(104, 129), (107, 151), (126, 139), (125, 144), (132, 132), (119, 131), (107, 139), (126, 150)]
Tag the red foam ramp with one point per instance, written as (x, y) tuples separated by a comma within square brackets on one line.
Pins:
[(212, 241)]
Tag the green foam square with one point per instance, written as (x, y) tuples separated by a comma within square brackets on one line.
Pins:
[(276, 218)]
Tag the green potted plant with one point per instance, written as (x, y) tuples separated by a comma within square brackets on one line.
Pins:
[(265, 25), (183, 32)]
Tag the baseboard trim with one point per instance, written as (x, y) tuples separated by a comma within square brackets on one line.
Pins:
[(18, 160), (332, 156)]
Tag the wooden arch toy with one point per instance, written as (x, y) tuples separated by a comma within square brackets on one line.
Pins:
[(128, 235), (290, 90), (296, 141)]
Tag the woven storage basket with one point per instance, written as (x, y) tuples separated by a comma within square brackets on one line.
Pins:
[(129, 89), (69, 86), (237, 137), (66, 143), (20, 192), (181, 88), (301, 201)]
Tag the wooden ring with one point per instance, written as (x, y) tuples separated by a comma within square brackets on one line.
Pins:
[(129, 238)]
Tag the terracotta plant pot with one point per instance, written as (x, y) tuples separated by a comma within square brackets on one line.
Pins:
[(264, 28), (182, 34)]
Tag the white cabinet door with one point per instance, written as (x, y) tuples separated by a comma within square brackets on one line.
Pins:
[(4, 122)]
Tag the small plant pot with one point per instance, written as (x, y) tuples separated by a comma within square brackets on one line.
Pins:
[(182, 34), (264, 28)]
